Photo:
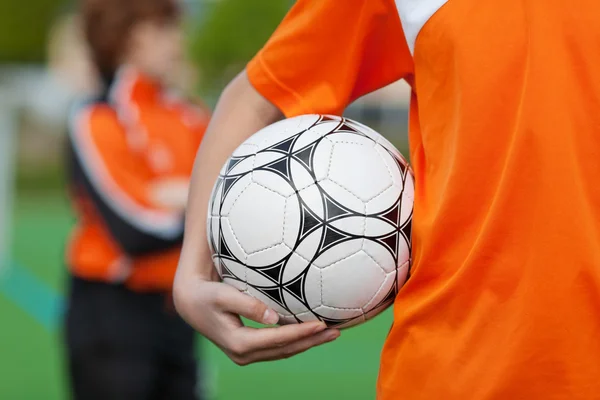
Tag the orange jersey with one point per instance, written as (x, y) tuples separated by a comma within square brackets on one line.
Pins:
[(119, 146), (504, 296)]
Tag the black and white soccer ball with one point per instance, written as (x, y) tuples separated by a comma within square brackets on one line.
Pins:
[(312, 215)]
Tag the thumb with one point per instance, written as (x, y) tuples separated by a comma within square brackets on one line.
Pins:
[(234, 301)]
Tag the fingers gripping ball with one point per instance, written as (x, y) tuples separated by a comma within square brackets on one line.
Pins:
[(312, 215)]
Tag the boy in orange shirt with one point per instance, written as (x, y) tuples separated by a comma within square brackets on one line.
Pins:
[(504, 296), (131, 152)]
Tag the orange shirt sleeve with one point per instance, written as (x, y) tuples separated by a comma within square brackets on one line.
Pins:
[(327, 53)]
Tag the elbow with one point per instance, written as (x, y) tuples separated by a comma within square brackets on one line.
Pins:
[(241, 90)]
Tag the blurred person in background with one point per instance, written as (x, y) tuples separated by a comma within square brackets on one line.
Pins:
[(71, 73), (131, 152)]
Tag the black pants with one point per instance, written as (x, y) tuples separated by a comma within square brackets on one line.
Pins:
[(127, 345)]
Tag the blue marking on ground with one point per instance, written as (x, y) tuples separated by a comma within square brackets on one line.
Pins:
[(32, 295)]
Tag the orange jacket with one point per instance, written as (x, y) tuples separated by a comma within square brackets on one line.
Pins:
[(118, 146)]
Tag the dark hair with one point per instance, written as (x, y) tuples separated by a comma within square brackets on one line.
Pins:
[(107, 25)]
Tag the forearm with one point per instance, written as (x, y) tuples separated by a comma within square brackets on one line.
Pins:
[(224, 134)]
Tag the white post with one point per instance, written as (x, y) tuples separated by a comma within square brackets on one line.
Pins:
[(8, 147)]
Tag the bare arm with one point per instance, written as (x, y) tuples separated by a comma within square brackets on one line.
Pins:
[(211, 307), (241, 111)]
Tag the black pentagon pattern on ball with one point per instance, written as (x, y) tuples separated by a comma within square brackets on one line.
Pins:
[(280, 167), (223, 249), (332, 237), (335, 210), (228, 182), (309, 221), (296, 287), (274, 272), (305, 156), (285, 146)]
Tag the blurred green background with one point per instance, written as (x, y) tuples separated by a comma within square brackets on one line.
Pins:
[(223, 36), (31, 365)]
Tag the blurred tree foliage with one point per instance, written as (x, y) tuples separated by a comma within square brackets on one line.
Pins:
[(230, 34), (24, 27)]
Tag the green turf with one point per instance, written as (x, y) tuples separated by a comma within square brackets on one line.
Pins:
[(30, 361), (41, 227), (30, 357)]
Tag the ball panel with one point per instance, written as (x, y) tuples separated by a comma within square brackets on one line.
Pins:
[(386, 290), (233, 188), (273, 182), (244, 150), (351, 282), (239, 166), (313, 200), (293, 304), (322, 158), (309, 246), (358, 168), (258, 218), (408, 196), (233, 269), (383, 142), (216, 198), (347, 199), (383, 203), (300, 175), (313, 290), (228, 243), (274, 133), (365, 130), (383, 257), (294, 268), (213, 233), (314, 134), (337, 253), (306, 121), (375, 227), (396, 172), (352, 225), (269, 256), (343, 136), (261, 277), (402, 276), (292, 222), (282, 130), (265, 158), (332, 313)]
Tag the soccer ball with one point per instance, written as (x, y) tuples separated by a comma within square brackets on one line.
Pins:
[(312, 215)]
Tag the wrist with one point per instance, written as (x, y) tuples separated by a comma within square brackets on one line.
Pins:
[(198, 264)]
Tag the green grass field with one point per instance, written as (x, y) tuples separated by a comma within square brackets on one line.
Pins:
[(31, 365)]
